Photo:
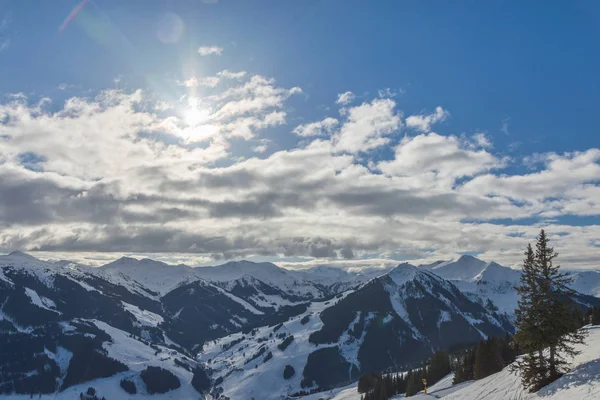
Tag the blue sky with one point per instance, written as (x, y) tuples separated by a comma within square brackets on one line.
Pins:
[(517, 87)]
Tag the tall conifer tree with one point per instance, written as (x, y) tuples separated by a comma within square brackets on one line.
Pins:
[(545, 317)]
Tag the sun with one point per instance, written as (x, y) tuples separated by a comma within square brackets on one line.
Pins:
[(195, 115)]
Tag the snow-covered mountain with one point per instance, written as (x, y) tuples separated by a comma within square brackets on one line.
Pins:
[(252, 321), (292, 283), (156, 276), (463, 268), (587, 282), (405, 315), (340, 279), (493, 285)]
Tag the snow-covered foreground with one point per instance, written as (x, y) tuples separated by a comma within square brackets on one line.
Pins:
[(582, 383)]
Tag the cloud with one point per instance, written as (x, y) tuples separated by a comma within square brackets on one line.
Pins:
[(423, 123), (4, 44), (367, 126), (210, 50), (482, 140), (324, 127), (439, 160), (261, 148), (345, 98), (231, 75), (128, 172), (4, 39), (213, 81), (505, 126)]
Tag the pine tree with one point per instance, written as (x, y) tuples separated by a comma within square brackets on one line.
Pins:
[(545, 317)]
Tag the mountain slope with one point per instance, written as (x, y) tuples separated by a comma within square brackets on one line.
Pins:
[(582, 383), (406, 314), (392, 321), (287, 281), (587, 282), (156, 276), (494, 287), (463, 268)]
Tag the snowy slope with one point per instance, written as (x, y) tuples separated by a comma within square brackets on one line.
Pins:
[(582, 383), (267, 273), (496, 284), (137, 356), (587, 282), (154, 275), (339, 279), (234, 357), (463, 268)]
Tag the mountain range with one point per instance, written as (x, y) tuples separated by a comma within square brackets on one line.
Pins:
[(241, 324)]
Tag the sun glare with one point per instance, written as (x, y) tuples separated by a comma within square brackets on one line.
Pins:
[(195, 114)]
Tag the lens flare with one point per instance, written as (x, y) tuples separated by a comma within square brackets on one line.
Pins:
[(170, 28), (71, 16)]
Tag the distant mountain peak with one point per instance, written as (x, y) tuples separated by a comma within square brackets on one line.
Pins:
[(403, 273), (20, 254)]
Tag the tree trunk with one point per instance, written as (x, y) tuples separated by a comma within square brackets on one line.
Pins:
[(553, 372)]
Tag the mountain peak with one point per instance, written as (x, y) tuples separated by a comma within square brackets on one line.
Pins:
[(466, 267), (20, 254), (403, 273)]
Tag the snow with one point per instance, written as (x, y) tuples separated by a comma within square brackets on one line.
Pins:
[(403, 273), (244, 303), (41, 301), (587, 282), (144, 317), (245, 378), (464, 268), (445, 316), (154, 275), (349, 345), (397, 302), (288, 281), (582, 383), (44, 271), (62, 357), (137, 356)]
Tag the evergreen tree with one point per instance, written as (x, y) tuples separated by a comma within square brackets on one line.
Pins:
[(545, 317), (439, 366)]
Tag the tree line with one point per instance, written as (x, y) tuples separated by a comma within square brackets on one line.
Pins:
[(381, 386)]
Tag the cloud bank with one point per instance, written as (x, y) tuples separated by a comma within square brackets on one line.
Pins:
[(122, 173)]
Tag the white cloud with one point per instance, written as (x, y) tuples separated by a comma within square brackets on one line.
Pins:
[(345, 98), (231, 75), (560, 176), (432, 159), (261, 148), (125, 172), (367, 126), (320, 128), (210, 50), (423, 123), (482, 140)]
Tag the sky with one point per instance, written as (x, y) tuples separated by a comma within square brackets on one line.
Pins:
[(337, 132)]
